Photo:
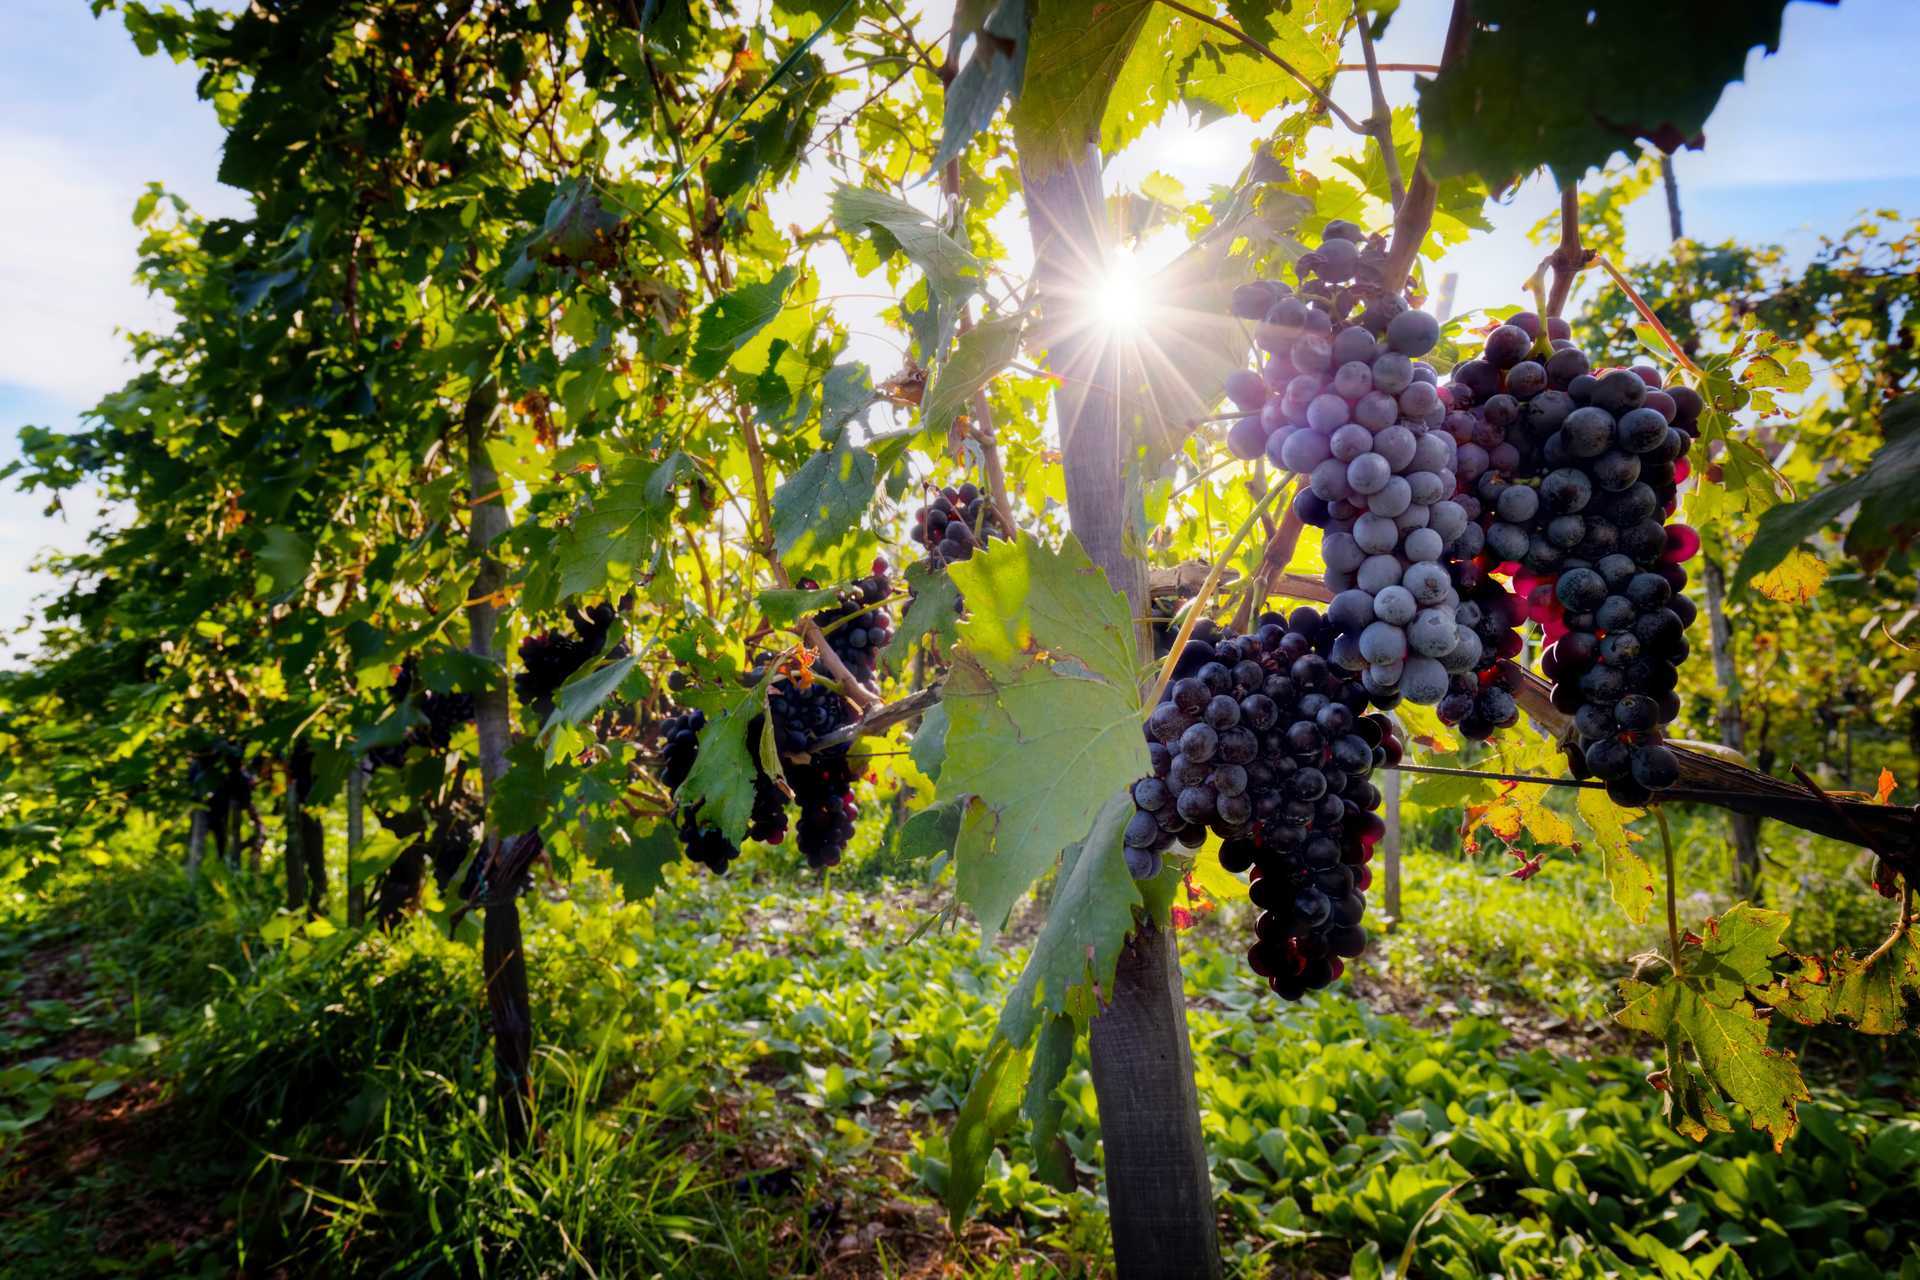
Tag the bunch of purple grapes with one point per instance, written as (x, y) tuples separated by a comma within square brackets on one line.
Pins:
[(704, 843), (953, 523), (444, 714), (856, 628), (1265, 741), (549, 658), (1574, 476), (1353, 408), (822, 784)]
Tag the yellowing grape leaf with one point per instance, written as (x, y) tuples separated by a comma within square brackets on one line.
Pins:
[(1628, 875), (1213, 878), (1795, 580), (1043, 708), (1873, 994), (1715, 1037)]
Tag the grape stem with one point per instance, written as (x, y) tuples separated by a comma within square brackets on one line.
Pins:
[(1274, 560), (1673, 913), (1660, 330), (1569, 256), (1380, 122), (1205, 593), (1319, 94), (1414, 217), (851, 688)]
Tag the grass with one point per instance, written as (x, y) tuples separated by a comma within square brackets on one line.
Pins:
[(754, 1076)]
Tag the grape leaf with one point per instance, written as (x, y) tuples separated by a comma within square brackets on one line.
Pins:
[(285, 557), (1076, 50), (991, 1103), (1883, 788), (638, 865), (929, 747), (980, 353), (1508, 103), (897, 225), (1044, 1108), (580, 697), (930, 833), (629, 515), (995, 69), (934, 610), (1628, 875), (721, 782), (782, 605), (729, 322), (1887, 494), (1088, 921), (1716, 1040), (1074, 957), (846, 393), (1045, 671), (815, 506), (1874, 994), (1795, 580)]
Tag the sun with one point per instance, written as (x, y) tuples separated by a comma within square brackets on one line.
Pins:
[(1121, 300)]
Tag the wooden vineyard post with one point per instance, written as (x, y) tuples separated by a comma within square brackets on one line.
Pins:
[(501, 953), (1159, 1191)]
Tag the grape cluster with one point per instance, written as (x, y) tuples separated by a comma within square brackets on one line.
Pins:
[(680, 747), (549, 658), (1353, 408), (1574, 474), (953, 523), (855, 628), (1266, 742), (444, 713), (823, 784)]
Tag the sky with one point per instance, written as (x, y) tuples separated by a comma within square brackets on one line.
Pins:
[(1813, 135)]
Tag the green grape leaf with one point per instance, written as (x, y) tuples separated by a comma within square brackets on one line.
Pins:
[(721, 782), (930, 833), (1092, 913), (1715, 1038), (1072, 961), (980, 353), (603, 547), (729, 323), (1887, 494), (1875, 994), (781, 606), (639, 865), (1045, 671), (1076, 50), (580, 697), (820, 503), (929, 747), (1044, 1108), (1500, 109), (767, 147), (934, 610), (990, 1106), (846, 393), (285, 557), (897, 225), (994, 69), (1628, 875)]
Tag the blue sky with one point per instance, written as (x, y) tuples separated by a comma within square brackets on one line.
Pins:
[(1815, 134)]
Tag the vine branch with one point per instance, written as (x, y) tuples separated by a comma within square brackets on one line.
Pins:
[(1380, 122), (1569, 257)]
